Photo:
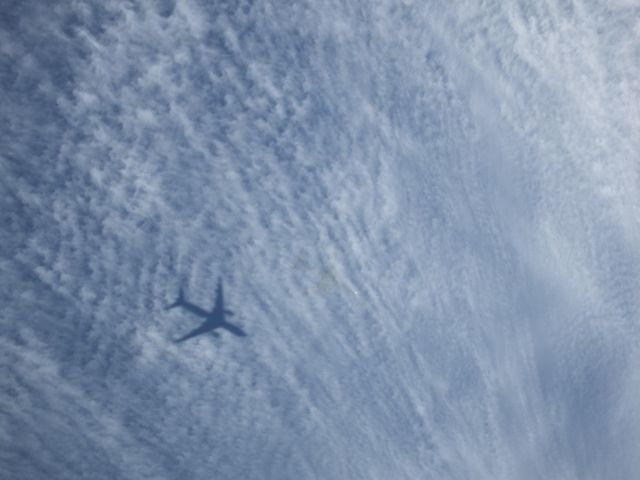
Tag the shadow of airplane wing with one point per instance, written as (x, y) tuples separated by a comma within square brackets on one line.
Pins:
[(235, 330), (198, 331)]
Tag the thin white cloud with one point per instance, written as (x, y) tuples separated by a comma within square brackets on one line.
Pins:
[(425, 217)]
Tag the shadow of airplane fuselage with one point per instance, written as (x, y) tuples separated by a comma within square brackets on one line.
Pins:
[(212, 320)]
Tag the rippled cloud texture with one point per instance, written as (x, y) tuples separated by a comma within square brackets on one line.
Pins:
[(425, 214)]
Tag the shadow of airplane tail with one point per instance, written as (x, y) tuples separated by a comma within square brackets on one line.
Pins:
[(179, 301)]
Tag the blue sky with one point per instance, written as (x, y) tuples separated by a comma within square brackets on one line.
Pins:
[(425, 215)]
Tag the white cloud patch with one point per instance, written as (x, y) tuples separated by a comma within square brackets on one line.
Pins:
[(425, 217)]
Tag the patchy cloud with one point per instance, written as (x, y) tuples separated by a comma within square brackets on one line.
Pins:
[(425, 217)]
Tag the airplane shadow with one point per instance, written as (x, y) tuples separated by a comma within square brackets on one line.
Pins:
[(213, 320)]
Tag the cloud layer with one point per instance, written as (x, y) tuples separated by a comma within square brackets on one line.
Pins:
[(425, 216)]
